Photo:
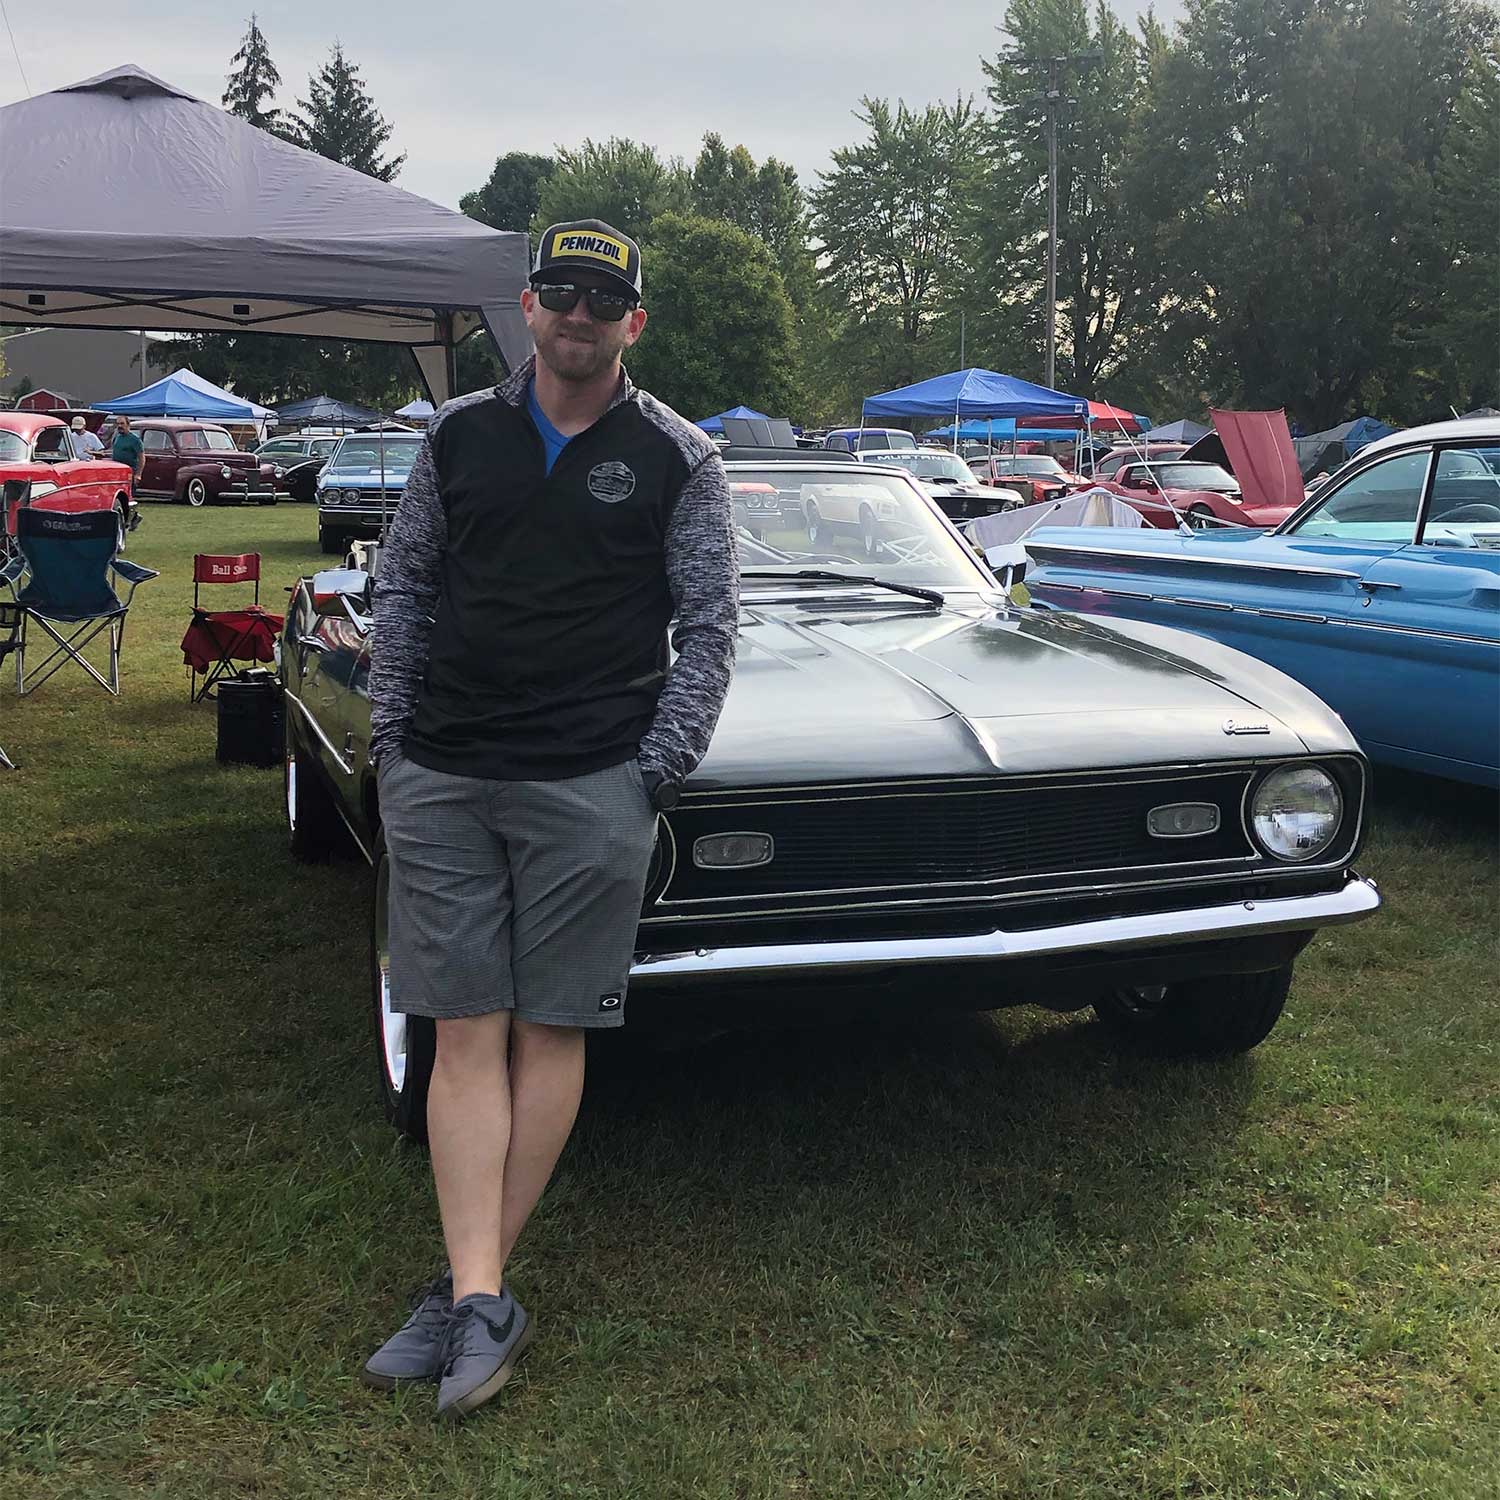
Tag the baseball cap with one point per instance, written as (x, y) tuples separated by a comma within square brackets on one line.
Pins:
[(78, 424), (589, 245)]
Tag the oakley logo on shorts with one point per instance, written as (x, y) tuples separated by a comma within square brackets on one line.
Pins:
[(610, 1002)]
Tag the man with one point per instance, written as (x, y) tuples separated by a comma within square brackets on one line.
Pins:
[(527, 729), (128, 449), (85, 444)]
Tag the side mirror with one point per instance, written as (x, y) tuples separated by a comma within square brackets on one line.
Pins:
[(332, 587), (1008, 561)]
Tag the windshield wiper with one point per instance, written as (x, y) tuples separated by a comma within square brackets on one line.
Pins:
[(827, 575)]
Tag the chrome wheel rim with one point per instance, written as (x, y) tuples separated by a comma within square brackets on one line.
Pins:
[(291, 788), (392, 1023), (196, 493)]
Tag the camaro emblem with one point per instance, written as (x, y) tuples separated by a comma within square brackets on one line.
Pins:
[(1246, 726), (611, 482)]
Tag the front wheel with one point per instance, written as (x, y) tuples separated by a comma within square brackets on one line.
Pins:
[(1211, 1017), (330, 541), (195, 493), (1201, 518), (314, 832), (867, 534), (814, 524), (405, 1046)]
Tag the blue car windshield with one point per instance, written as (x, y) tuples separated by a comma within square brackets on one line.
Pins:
[(364, 452)]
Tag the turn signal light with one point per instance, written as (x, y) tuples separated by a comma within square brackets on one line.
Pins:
[(1182, 820), (733, 851)]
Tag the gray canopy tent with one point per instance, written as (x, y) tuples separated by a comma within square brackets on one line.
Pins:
[(129, 204)]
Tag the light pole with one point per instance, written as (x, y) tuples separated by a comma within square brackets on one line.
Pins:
[(1052, 102)]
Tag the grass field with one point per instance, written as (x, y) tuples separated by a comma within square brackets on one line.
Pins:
[(948, 1258)]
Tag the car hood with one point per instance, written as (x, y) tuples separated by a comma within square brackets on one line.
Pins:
[(837, 690), (395, 479)]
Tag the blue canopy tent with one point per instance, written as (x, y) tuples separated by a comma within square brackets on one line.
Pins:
[(977, 393), (1004, 430), (1327, 450), (716, 423), (172, 396)]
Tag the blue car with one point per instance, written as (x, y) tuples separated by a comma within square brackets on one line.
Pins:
[(361, 484), (1381, 593)]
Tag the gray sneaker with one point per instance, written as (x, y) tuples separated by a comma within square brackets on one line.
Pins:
[(486, 1336), (415, 1351)]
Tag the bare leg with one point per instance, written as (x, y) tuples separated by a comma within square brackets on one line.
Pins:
[(468, 1131), (546, 1083)]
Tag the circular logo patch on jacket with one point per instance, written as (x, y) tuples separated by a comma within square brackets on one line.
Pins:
[(611, 482)]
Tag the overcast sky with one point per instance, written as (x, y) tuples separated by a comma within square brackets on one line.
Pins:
[(464, 81)]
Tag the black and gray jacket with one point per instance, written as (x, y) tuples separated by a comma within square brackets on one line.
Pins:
[(521, 618)]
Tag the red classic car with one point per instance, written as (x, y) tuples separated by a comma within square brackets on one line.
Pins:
[(1135, 453), (36, 453), (1034, 475), (1202, 494), (197, 463)]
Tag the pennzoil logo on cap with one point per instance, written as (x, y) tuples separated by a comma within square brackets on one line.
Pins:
[(591, 246)]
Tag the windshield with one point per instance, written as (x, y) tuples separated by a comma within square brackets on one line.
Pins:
[(363, 452), (927, 465), (1195, 477), (840, 519), (12, 448), (1032, 463), (220, 442)]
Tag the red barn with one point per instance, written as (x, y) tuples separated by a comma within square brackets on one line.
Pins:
[(43, 399)]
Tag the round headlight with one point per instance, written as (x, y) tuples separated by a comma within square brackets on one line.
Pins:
[(225, 470), (1296, 811)]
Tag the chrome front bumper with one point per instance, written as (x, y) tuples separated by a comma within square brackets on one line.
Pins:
[(1358, 898)]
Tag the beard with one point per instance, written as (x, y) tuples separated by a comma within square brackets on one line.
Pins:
[(579, 357)]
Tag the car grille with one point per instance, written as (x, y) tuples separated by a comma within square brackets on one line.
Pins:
[(959, 835)]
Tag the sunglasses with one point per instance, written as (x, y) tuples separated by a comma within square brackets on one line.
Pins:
[(562, 297)]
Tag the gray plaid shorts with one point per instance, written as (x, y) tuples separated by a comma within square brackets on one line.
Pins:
[(514, 895)]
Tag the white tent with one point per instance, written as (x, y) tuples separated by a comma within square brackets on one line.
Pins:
[(194, 219)]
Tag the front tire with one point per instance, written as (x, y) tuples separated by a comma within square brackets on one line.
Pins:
[(814, 524), (330, 541), (1201, 518), (405, 1046), (1212, 1017), (314, 831), (868, 539), (195, 492)]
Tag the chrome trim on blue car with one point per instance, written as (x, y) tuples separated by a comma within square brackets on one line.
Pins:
[(1356, 899), (1073, 550)]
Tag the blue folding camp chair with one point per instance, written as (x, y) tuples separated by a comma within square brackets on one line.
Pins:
[(67, 558)]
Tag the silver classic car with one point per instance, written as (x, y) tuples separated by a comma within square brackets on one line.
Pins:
[(913, 777)]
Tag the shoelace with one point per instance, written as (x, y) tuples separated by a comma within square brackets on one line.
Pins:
[(461, 1320), (433, 1302)]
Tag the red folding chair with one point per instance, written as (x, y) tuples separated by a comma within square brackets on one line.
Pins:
[(217, 639)]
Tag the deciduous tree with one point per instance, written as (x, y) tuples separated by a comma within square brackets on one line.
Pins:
[(889, 221), (622, 182), (721, 323), (509, 199)]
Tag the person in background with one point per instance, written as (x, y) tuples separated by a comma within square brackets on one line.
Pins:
[(85, 444), (128, 449)]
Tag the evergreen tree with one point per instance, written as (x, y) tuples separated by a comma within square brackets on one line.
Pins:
[(252, 81), (339, 120)]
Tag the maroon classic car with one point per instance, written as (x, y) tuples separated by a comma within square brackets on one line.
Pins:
[(196, 463), (37, 462)]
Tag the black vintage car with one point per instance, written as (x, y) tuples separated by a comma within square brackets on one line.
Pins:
[(914, 776)]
